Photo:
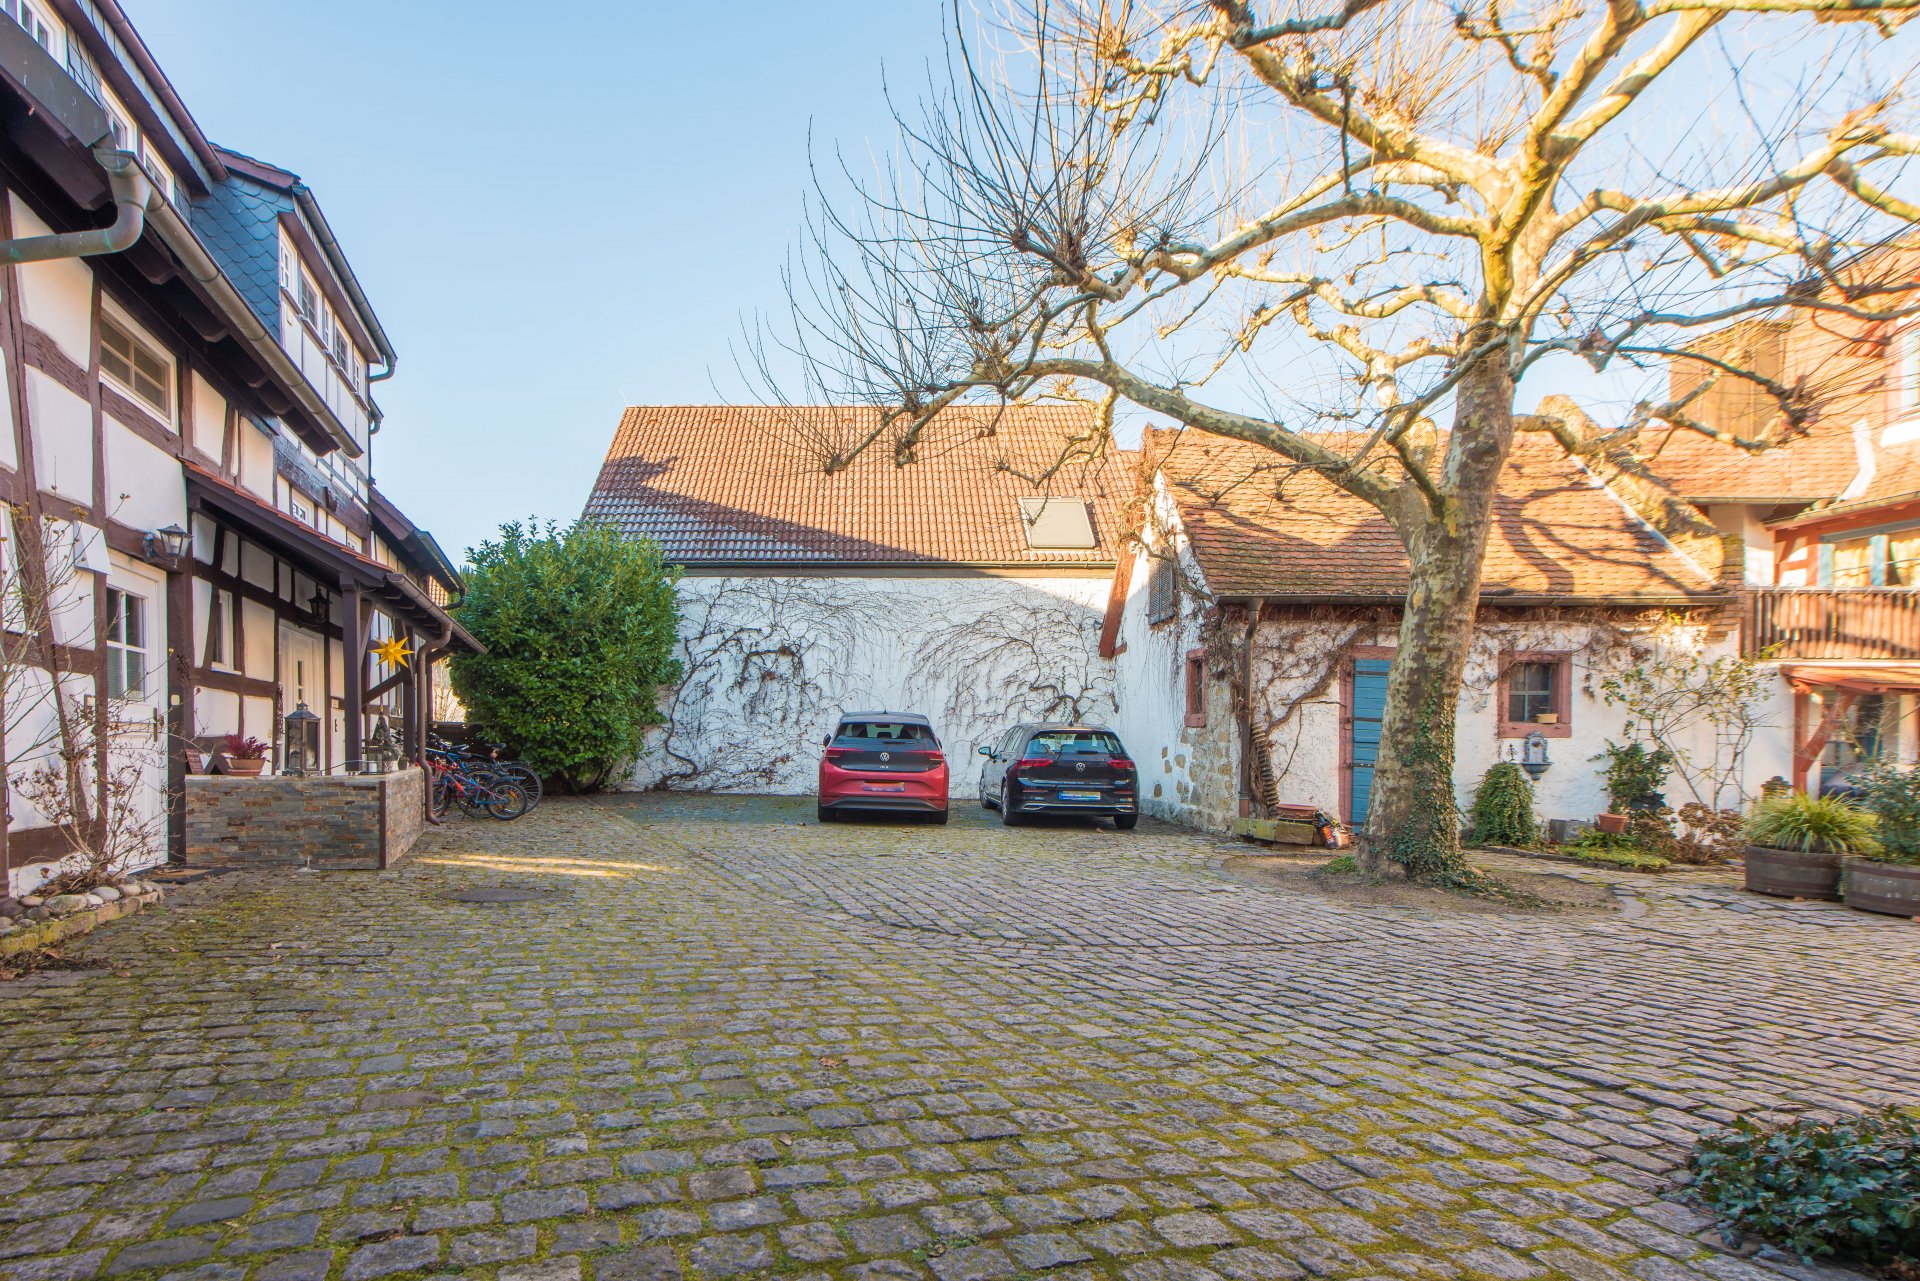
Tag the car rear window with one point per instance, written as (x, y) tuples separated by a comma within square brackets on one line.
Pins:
[(885, 732), (1073, 742)]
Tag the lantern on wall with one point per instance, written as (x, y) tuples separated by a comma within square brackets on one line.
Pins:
[(302, 755), (1533, 756)]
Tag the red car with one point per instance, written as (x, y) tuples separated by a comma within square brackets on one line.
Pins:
[(887, 761)]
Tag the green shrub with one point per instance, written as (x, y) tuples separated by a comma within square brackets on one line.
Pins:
[(1503, 808), (580, 626), (1797, 821), (1634, 775), (1341, 865), (1847, 1188), (1892, 796), (1615, 849)]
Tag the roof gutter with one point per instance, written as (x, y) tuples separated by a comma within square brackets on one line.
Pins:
[(132, 194), (1400, 599), (303, 196), (143, 59), (178, 237)]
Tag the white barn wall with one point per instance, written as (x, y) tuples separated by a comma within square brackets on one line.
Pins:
[(771, 661)]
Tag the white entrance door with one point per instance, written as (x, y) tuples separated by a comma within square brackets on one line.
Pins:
[(303, 676), (136, 648)]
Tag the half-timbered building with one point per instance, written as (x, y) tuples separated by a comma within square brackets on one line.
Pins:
[(190, 366)]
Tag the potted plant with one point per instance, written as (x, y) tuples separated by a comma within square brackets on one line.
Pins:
[(1887, 878), (1634, 777), (1795, 843), (244, 755)]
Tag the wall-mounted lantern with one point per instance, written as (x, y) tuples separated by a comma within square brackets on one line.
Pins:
[(320, 606), (1533, 755), (303, 742), (165, 545)]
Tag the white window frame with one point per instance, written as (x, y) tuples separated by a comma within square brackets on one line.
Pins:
[(28, 17), (141, 342), (1906, 372), (128, 671)]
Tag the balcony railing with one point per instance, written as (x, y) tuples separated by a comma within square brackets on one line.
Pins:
[(1834, 622)]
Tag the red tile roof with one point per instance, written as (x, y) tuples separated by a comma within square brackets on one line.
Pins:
[(720, 484), (1260, 529), (1698, 468)]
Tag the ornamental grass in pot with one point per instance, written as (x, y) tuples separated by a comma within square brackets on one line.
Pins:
[(1795, 844), (1887, 877)]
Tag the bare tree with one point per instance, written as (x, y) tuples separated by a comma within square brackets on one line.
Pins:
[(86, 759), (1317, 225)]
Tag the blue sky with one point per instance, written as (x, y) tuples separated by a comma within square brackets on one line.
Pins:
[(557, 209), (561, 209)]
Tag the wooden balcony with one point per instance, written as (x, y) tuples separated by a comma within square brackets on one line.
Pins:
[(1834, 622)]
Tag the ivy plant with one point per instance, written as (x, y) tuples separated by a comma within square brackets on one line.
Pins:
[(1502, 811), (1846, 1188)]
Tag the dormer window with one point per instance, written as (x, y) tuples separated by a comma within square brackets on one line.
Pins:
[(1906, 372), (1056, 524), (137, 367)]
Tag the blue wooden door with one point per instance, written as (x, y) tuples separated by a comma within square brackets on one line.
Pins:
[(1369, 708)]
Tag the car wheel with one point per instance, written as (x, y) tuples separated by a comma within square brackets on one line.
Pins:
[(824, 814), (1126, 822), (1010, 813), (986, 801), (939, 816)]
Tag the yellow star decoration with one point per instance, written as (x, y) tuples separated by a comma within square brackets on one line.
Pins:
[(392, 650)]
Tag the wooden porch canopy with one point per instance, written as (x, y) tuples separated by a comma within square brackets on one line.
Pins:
[(1840, 686), (359, 581)]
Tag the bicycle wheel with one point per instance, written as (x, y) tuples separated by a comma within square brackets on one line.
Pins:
[(529, 781), (474, 791), (506, 799), (443, 792)]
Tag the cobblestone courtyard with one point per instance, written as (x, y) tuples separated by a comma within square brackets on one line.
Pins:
[(725, 1041)]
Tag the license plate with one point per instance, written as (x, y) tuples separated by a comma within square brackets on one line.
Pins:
[(1079, 796), (885, 787)]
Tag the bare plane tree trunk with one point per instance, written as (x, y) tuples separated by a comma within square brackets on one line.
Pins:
[(1414, 821)]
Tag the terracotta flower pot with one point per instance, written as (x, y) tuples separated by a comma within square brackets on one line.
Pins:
[(1615, 824), (250, 768), (1793, 873), (1892, 888)]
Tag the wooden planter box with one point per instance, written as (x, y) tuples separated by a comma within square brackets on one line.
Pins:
[(1793, 873), (1891, 888)]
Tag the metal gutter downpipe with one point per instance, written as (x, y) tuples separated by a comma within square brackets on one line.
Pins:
[(180, 238), (132, 193), (1247, 742)]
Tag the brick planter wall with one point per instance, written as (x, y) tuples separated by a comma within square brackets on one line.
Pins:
[(341, 821)]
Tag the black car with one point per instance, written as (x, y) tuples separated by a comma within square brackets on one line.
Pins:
[(1060, 769)]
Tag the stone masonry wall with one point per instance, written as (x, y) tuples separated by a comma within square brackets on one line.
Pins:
[(336, 822)]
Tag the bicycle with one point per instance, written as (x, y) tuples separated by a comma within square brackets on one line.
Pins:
[(475, 791), (489, 761)]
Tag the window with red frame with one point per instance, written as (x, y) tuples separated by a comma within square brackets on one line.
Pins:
[(1197, 687), (1535, 695)]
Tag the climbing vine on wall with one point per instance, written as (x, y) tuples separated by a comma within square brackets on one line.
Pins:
[(771, 662)]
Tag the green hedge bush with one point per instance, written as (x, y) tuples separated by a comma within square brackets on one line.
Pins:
[(1848, 1189), (580, 626)]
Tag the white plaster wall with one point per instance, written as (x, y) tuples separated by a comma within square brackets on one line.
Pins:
[(56, 296), (62, 438), (256, 460), (144, 485), (209, 418), (772, 661)]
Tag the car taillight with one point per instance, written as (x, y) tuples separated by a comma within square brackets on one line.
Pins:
[(935, 758), (1034, 762), (839, 753), (1120, 762)]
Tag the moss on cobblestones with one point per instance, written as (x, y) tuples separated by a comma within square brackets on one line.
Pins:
[(729, 1044)]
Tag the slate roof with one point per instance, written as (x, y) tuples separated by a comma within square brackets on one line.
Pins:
[(1811, 468), (746, 485), (1259, 530), (239, 225)]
